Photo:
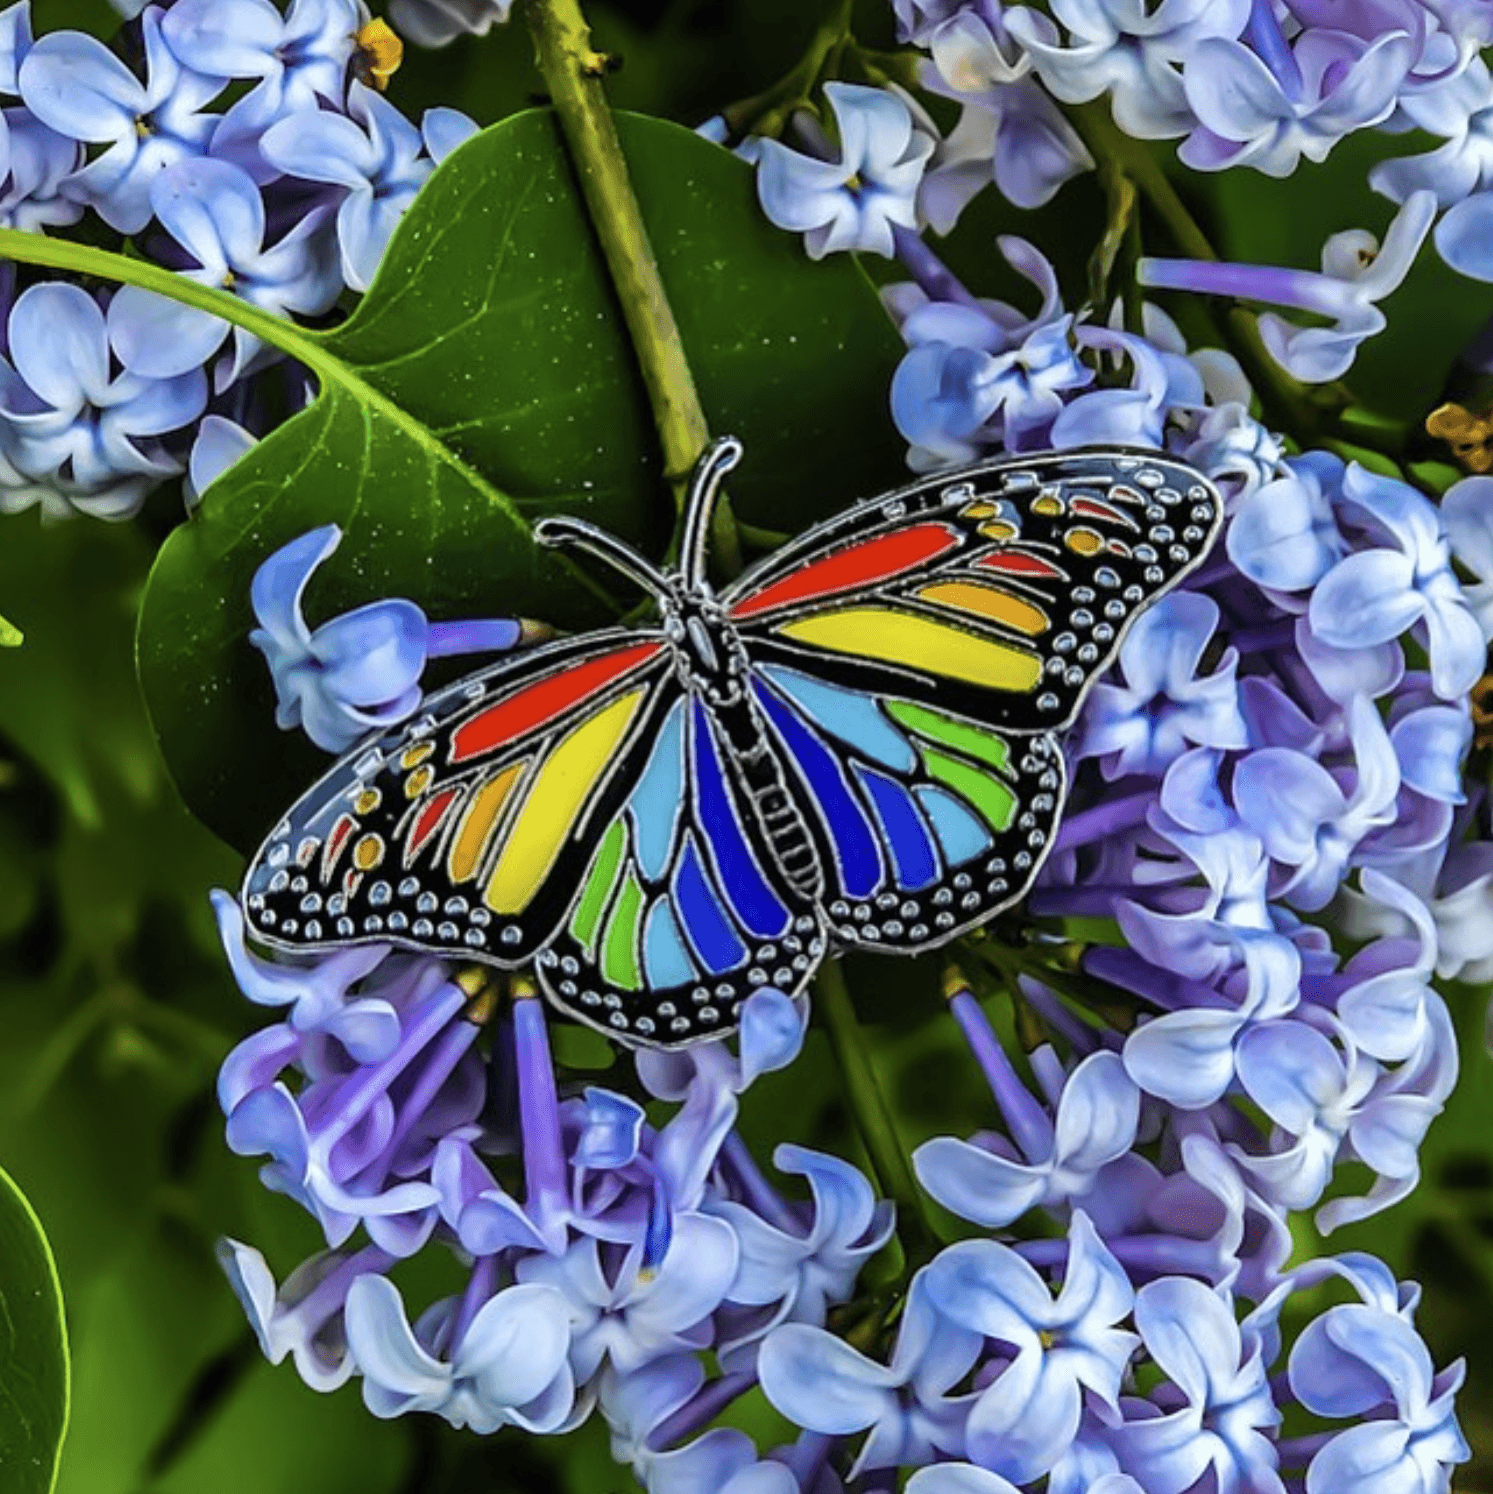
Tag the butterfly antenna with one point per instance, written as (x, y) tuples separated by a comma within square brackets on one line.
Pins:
[(561, 533), (717, 459)]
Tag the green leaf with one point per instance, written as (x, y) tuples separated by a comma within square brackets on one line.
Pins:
[(486, 380), (33, 1350)]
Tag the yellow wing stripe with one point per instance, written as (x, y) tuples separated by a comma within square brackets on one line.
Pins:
[(988, 601), (921, 643), (477, 824), (556, 795)]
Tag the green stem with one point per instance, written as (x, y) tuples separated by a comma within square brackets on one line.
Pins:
[(573, 71), (873, 1116), (768, 113)]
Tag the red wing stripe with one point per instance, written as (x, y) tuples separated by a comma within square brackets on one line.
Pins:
[(538, 703), (1015, 563), (1092, 508), (859, 565), (427, 822)]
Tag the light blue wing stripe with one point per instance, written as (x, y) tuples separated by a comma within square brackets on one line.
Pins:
[(665, 958), (655, 802), (959, 833), (853, 717)]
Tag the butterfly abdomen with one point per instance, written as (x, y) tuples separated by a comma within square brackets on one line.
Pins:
[(783, 823)]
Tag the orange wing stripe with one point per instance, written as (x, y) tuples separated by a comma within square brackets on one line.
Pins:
[(859, 565), (541, 702)]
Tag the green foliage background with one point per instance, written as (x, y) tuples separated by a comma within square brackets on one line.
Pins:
[(116, 1007)]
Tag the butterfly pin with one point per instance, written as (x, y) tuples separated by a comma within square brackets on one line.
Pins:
[(854, 745)]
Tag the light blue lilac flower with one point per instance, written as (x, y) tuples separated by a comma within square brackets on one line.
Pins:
[(299, 58), (904, 1408), (75, 85), (1056, 1153), (1467, 514), (70, 422), (505, 1364), (37, 166), (799, 1267), (1215, 1411), (373, 153), (1163, 705), (852, 202), (303, 1317), (433, 23), (1360, 1361), (1306, 97), (1061, 1348), (216, 214), (1128, 50), (358, 672), (1310, 819), (1382, 591), (1357, 273), (635, 1311), (1285, 535)]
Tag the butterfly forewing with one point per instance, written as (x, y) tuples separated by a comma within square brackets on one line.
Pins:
[(997, 593), (683, 911), (467, 831)]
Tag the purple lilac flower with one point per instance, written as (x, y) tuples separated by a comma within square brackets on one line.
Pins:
[(1357, 272), (1009, 130)]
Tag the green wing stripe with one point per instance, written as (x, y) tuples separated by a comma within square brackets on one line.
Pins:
[(619, 960), (995, 802), (598, 888), (984, 746)]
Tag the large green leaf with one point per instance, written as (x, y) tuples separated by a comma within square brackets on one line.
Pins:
[(33, 1350), (487, 379)]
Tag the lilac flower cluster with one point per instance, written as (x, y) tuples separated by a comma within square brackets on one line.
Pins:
[(1260, 85), (1270, 847), (287, 196)]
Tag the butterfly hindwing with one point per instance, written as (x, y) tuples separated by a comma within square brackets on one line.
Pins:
[(682, 912), (997, 593), (926, 823), (467, 830)]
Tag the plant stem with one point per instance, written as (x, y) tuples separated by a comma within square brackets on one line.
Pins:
[(573, 71), (768, 113), (873, 1116)]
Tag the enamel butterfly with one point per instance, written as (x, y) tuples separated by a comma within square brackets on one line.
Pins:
[(853, 745)]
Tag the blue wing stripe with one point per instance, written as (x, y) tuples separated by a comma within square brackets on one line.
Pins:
[(705, 921), (835, 800), (960, 834), (756, 905), (847, 714), (654, 805), (913, 848), (665, 958)]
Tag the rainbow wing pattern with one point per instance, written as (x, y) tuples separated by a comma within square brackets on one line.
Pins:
[(466, 831), (888, 775)]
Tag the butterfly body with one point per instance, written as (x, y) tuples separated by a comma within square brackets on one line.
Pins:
[(854, 745)]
